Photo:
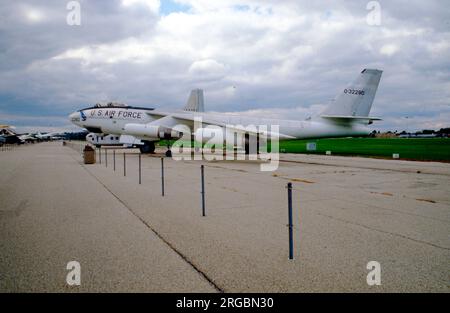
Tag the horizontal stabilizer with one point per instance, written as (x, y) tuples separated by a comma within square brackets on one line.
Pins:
[(351, 118)]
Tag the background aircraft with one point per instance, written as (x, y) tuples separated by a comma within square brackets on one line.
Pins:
[(9, 136), (347, 116), (99, 140)]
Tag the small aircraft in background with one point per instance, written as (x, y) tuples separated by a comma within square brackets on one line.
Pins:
[(50, 136), (103, 140), (9, 136)]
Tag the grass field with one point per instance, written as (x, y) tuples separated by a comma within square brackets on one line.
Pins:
[(425, 149)]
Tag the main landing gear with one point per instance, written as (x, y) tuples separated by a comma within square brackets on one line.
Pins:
[(251, 144), (168, 152), (147, 147)]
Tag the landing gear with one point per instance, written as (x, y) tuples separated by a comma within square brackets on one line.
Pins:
[(250, 146), (168, 152), (147, 147)]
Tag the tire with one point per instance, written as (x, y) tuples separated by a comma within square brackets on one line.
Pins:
[(247, 145), (147, 147)]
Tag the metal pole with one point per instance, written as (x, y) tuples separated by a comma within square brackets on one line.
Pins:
[(106, 158), (124, 165), (140, 169), (100, 155), (114, 160), (202, 168), (291, 239), (162, 177)]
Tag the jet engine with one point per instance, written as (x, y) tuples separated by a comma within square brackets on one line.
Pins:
[(151, 131)]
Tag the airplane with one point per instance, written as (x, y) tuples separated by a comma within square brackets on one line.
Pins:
[(346, 116), (50, 136), (9, 135), (31, 138), (99, 136), (99, 140)]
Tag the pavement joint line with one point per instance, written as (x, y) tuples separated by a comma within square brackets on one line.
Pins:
[(394, 210), (185, 258), (376, 207), (360, 167), (384, 232)]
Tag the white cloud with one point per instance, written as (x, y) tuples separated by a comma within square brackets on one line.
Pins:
[(152, 5), (32, 14), (389, 49), (207, 68), (248, 55)]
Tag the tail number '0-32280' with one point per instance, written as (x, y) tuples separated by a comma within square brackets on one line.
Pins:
[(354, 92)]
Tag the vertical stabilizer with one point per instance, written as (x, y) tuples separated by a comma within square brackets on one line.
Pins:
[(357, 98), (195, 102)]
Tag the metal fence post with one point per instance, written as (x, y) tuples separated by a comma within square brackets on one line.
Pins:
[(291, 239), (106, 158), (140, 169), (162, 177), (202, 169), (114, 160), (124, 165), (100, 155)]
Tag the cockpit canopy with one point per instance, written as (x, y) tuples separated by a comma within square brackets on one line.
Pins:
[(111, 105)]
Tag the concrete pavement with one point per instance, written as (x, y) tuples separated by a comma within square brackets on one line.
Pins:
[(345, 215), (53, 211)]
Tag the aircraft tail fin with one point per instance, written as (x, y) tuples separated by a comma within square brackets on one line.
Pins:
[(357, 98), (195, 102)]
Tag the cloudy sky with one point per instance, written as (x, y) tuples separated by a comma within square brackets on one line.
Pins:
[(284, 58)]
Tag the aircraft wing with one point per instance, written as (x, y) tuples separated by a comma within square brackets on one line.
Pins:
[(205, 120)]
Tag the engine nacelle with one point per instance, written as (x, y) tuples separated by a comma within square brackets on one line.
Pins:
[(151, 131)]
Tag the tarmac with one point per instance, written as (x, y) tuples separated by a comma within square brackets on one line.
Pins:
[(127, 237)]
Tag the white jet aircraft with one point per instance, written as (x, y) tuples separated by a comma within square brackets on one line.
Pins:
[(103, 140), (346, 116)]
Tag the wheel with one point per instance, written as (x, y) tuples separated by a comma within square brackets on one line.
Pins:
[(98, 146), (168, 153), (147, 147), (251, 149)]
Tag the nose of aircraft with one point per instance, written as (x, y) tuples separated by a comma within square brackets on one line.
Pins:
[(75, 118)]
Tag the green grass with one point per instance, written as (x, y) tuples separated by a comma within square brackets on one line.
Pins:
[(425, 149)]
